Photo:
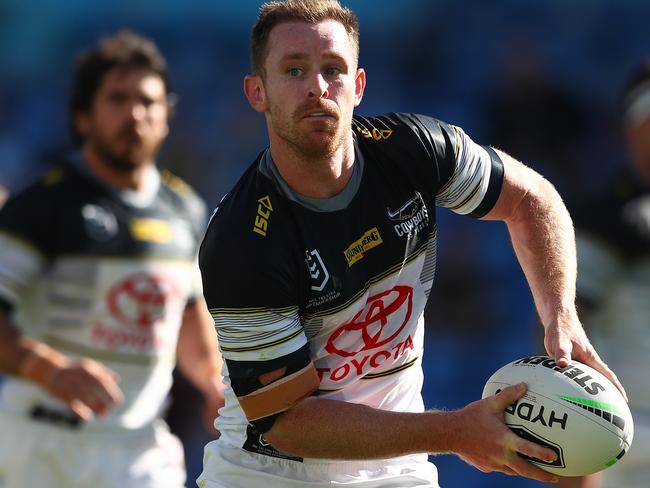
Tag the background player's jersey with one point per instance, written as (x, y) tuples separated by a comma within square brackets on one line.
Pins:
[(94, 272), (349, 276), (613, 238)]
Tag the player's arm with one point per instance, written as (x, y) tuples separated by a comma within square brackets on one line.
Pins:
[(85, 385), (321, 428), (198, 354), (543, 239), (276, 402)]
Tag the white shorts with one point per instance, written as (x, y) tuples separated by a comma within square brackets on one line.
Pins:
[(35, 454), (633, 470), (230, 467)]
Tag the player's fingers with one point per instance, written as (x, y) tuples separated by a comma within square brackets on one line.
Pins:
[(98, 369), (113, 391), (105, 391), (509, 395), (103, 386), (562, 352), (81, 409), (524, 468), (533, 450)]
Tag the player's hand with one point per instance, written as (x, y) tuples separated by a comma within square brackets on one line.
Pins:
[(87, 387), (484, 440), (565, 339)]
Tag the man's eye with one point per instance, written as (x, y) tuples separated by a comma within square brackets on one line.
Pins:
[(333, 71), (295, 71), (117, 97)]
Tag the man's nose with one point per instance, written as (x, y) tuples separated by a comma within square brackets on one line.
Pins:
[(318, 86), (137, 111)]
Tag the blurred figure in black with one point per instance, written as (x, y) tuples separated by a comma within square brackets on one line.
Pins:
[(613, 237), (538, 119), (100, 294), (4, 194)]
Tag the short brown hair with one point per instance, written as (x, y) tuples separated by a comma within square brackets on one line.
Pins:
[(126, 50), (278, 11)]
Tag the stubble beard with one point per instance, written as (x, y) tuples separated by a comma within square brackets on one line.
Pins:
[(131, 159), (304, 144)]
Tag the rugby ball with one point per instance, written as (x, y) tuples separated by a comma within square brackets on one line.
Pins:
[(574, 410)]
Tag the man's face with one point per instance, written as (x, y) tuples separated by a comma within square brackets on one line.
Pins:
[(311, 86), (127, 121), (638, 138)]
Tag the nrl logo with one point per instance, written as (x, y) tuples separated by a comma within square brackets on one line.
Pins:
[(317, 270)]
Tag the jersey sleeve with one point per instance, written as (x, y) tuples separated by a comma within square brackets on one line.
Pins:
[(198, 218), (193, 207), (251, 286), (475, 178), (437, 158), (26, 225)]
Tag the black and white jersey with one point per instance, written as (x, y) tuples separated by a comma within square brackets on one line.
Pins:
[(344, 278), (613, 239), (105, 274)]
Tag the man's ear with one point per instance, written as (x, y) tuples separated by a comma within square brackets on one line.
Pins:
[(255, 93), (359, 86)]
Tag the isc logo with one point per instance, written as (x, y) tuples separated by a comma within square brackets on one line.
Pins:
[(264, 209), (376, 134)]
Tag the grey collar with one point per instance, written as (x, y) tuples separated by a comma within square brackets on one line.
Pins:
[(332, 204)]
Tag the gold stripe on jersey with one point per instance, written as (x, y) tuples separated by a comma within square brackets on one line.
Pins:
[(469, 197), (372, 281), (389, 372), (175, 183), (103, 355), (266, 345), (251, 310)]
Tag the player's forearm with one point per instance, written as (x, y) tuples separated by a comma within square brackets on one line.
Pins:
[(198, 354), (329, 429), (25, 357), (544, 241)]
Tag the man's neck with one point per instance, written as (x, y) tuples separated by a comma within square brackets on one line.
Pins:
[(315, 178), (132, 179)]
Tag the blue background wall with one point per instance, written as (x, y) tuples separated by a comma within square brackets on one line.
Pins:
[(539, 78)]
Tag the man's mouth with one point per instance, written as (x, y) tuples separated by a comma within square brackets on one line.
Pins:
[(319, 115)]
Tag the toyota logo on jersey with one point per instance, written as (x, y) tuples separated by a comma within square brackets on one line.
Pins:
[(377, 324), (140, 300)]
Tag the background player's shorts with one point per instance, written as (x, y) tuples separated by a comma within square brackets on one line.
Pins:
[(633, 471), (229, 467), (34, 454)]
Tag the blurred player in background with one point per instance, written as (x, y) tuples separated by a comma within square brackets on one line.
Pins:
[(318, 264), (613, 237), (100, 292), (4, 194)]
